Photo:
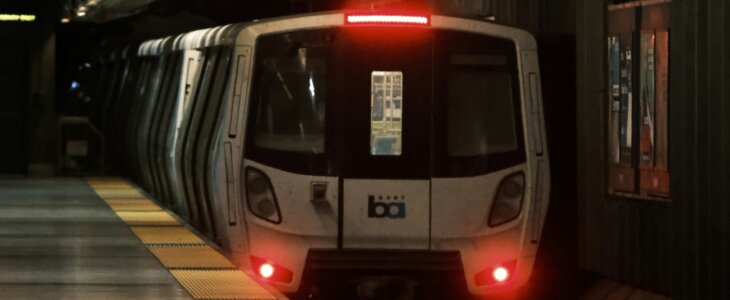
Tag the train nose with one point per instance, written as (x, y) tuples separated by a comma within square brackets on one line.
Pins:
[(386, 287)]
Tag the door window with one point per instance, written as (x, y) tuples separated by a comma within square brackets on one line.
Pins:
[(386, 112)]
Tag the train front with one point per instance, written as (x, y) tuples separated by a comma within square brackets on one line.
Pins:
[(389, 149)]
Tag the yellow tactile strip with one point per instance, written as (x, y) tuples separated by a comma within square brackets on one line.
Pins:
[(108, 183), (220, 284), (190, 256), (132, 204), (202, 271), (116, 193), (108, 179), (111, 185), (166, 235), (148, 218)]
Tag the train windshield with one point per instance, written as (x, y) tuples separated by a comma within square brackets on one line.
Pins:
[(290, 112), (385, 103), (479, 104)]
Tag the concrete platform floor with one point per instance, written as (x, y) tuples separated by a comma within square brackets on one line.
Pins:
[(59, 240)]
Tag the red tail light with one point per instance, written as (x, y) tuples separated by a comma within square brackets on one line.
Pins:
[(387, 19), (266, 270), (496, 275), (500, 274), (270, 271)]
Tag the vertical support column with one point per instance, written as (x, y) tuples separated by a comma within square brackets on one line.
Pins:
[(590, 70), (42, 123)]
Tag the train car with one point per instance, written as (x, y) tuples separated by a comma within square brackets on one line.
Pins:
[(364, 148)]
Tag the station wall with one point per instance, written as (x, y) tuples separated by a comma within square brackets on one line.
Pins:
[(679, 246), (27, 112), (700, 148)]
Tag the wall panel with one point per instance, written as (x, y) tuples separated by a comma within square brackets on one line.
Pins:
[(621, 238), (680, 248)]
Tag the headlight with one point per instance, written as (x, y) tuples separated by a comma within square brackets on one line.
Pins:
[(508, 201), (260, 196)]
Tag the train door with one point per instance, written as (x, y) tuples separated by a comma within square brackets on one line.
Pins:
[(384, 137), (160, 132), (189, 69)]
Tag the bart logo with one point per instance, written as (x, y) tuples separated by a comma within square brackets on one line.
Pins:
[(380, 209)]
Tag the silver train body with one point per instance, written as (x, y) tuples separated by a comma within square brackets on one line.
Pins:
[(307, 143)]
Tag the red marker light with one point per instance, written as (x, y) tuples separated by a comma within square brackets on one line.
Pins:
[(500, 274), (387, 19), (266, 270), (270, 271)]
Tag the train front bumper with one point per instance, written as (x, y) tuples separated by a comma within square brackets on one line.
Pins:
[(456, 261)]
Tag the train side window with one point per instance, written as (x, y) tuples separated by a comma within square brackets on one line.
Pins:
[(386, 120), (638, 68)]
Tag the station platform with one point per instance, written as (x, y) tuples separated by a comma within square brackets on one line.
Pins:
[(104, 238), (70, 238)]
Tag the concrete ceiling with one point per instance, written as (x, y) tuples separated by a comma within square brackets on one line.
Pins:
[(102, 11)]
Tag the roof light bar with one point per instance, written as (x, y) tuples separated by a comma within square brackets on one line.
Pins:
[(387, 19)]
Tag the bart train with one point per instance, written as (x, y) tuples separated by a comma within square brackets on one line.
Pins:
[(373, 144)]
